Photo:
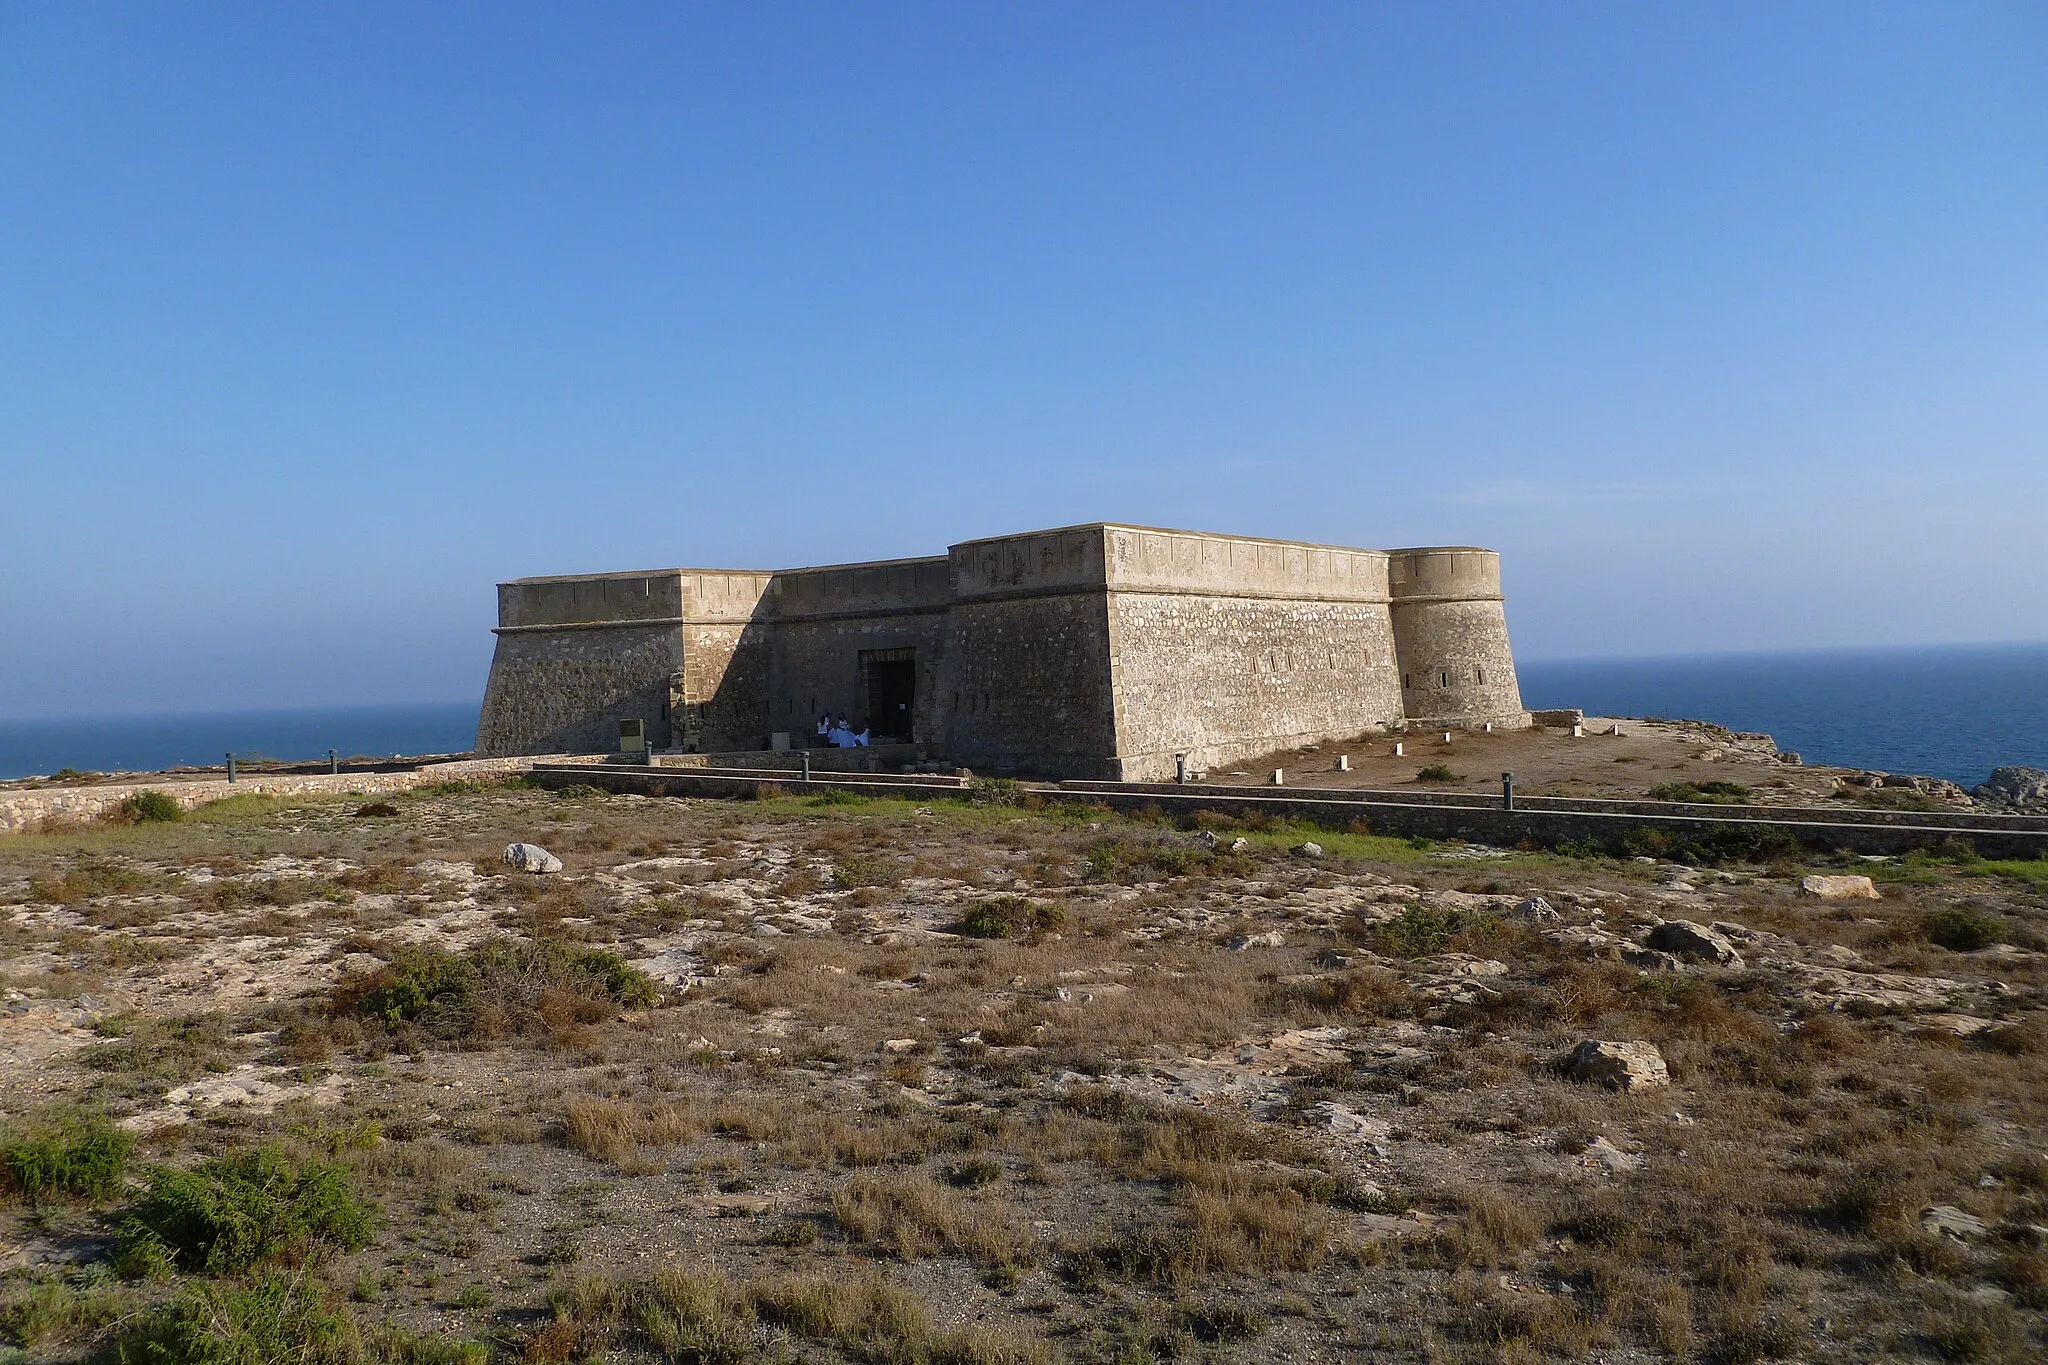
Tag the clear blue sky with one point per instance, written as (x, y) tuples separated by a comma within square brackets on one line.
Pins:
[(1727, 324)]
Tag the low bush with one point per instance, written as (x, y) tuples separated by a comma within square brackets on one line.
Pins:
[(995, 791), (34, 1312), (279, 1318), (148, 806), (248, 1207), (68, 1156), (505, 985), (376, 810), (1961, 929), (1438, 772), (855, 872), (1010, 917), (1714, 792), (1417, 931)]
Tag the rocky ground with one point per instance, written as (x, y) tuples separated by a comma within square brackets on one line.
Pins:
[(1629, 758), (842, 1079)]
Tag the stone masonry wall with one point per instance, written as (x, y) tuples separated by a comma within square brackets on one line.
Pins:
[(1029, 687), (565, 691), (1228, 678), (24, 811)]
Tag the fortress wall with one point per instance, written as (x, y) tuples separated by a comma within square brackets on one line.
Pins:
[(1451, 631), (564, 691), (718, 700), (816, 667), (1228, 678), (1027, 685)]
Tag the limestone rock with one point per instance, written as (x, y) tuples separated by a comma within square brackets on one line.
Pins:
[(2016, 789), (1273, 939), (1310, 850), (1346, 1122), (1651, 960), (899, 1045), (1601, 1152), (1693, 942), (1619, 1066), (1208, 840), (1838, 888), (1240, 845), (531, 858), (1535, 910), (1946, 1220)]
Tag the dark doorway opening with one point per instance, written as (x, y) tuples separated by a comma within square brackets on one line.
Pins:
[(891, 679)]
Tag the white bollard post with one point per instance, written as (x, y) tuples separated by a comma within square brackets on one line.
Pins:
[(1279, 777), (1578, 732), (1447, 736), (1397, 751), (1486, 729), (1343, 763)]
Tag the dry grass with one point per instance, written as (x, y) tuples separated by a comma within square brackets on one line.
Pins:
[(1092, 1144)]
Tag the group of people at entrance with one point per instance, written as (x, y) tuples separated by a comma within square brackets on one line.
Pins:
[(840, 734)]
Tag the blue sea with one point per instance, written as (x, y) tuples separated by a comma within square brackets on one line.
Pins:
[(147, 743), (1953, 711), (1950, 711)]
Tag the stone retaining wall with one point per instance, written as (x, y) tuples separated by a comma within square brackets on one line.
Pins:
[(23, 812), (1479, 824)]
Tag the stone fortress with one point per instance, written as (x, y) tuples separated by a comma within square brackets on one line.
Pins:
[(1100, 651)]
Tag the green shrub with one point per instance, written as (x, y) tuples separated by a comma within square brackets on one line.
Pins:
[(1009, 917), (1732, 842), (1710, 793), (279, 1318), (995, 791), (1417, 931), (1961, 929), (40, 1309), (237, 1211), (148, 806), (853, 873), (1437, 772), (392, 1345), (70, 1156), (837, 796), (512, 977)]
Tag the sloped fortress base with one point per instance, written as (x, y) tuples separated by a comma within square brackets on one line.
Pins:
[(1098, 651)]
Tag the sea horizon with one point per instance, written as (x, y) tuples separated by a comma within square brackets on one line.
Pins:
[(1952, 711)]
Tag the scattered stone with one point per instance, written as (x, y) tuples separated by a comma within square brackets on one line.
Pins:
[(531, 858), (1240, 845), (1651, 960), (1272, 939), (2016, 789), (1310, 850), (1619, 1066), (1693, 942), (1961, 1025), (1836, 888), (899, 1045), (1207, 839), (1349, 1122), (1601, 1152), (1946, 1220), (739, 1205), (1535, 910)]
